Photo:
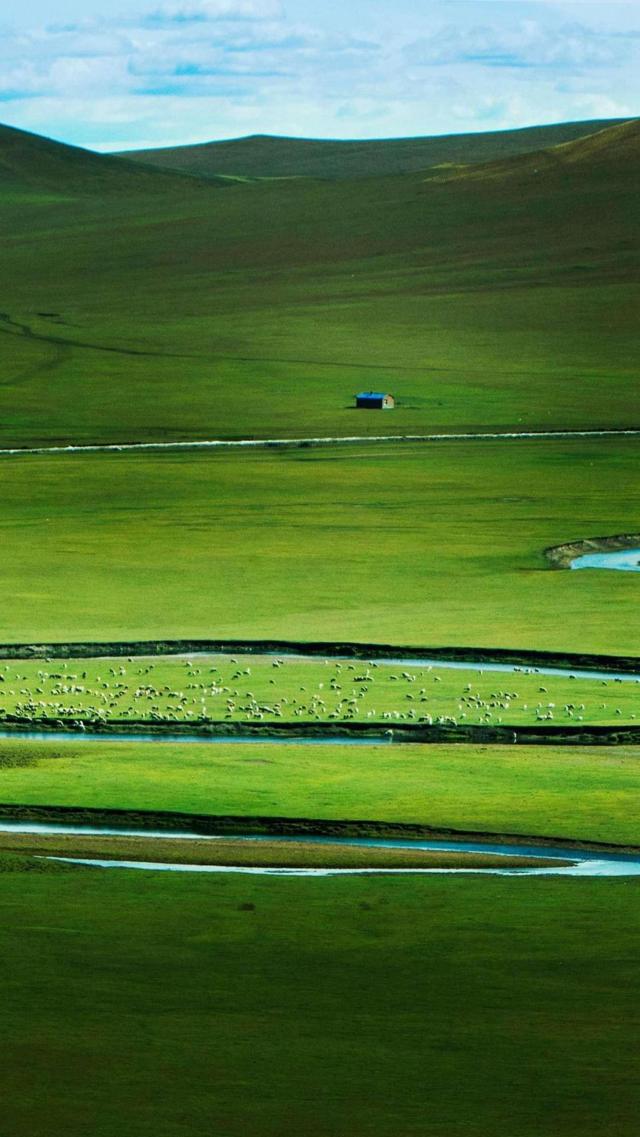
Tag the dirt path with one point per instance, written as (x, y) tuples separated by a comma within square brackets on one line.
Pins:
[(300, 443)]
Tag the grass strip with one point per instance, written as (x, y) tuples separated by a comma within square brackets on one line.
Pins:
[(585, 795), (274, 695), (263, 854)]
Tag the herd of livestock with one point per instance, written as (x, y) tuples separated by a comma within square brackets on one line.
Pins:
[(253, 689)]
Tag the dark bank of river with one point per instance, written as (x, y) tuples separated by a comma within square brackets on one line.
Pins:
[(565, 556), (168, 823), (547, 662), (312, 733)]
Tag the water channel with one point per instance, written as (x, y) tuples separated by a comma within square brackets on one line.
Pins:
[(584, 862), (626, 560)]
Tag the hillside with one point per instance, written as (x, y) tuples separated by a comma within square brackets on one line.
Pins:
[(30, 163), (268, 156), (157, 307), (612, 151)]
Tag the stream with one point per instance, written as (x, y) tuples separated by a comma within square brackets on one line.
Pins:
[(585, 862)]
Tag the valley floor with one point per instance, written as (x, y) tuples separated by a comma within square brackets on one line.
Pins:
[(365, 1006)]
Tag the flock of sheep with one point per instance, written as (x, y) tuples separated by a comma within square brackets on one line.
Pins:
[(187, 690)]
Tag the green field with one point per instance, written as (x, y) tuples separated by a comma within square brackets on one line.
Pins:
[(146, 305), (413, 545), (578, 793), (407, 1006)]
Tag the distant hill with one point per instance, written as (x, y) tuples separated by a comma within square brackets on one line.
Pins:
[(29, 162), (143, 304), (262, 155), (613, 148)]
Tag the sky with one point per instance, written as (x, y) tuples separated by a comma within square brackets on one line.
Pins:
[(142, 73)]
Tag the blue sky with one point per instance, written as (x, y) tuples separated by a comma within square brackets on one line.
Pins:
[(163, 72)]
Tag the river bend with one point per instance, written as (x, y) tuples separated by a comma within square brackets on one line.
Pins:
[(585, 862)]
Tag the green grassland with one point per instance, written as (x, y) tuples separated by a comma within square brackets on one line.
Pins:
[(140, 304), (164, 307), (577, 793), (259, 689), (378, 1006), (416, 545), (267, 156)]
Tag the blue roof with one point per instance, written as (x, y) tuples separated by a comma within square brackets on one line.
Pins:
[(371, 395)]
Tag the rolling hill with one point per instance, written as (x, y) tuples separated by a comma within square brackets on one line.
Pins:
[(614, 150), (262, 155), (29, 162), (140, 304)]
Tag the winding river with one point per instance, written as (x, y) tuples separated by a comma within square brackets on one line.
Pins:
[(434, 663), (585, 862), (166, 736), (590, 863)]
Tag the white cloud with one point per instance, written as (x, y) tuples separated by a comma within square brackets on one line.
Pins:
[(529, 44), (189, 70), (205, 10), (598, 105)]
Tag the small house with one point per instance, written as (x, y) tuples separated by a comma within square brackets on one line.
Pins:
[(375, 401)]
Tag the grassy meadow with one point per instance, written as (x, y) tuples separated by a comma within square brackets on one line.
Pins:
[(579, 793), (368, 1006), (414, 545)]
